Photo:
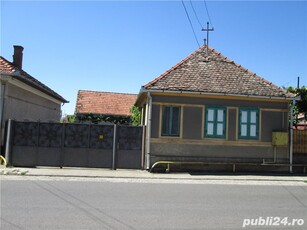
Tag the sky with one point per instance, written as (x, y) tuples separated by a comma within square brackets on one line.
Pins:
[(118, 46)]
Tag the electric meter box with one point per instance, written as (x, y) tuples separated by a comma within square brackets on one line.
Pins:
[(280, 138)]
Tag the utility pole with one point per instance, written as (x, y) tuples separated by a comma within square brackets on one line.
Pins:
[(207, 40)]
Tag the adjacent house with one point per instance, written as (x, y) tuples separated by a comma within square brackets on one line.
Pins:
[(104, 107), (301, 122), (207, 108), (22, 97)]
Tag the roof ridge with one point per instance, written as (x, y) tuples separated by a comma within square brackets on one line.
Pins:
[(94, 91), (212, 75)]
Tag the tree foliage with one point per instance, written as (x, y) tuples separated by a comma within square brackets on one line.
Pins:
[(135, 115), (301, 105), (98, 119)]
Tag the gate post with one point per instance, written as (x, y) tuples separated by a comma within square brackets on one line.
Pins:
[(62, 146), (8, 143), (143, 147), (114, 147)]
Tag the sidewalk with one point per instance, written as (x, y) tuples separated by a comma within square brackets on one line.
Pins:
[(143, 174)]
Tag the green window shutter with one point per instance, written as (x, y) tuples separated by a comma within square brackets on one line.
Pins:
[(248, 123), (215, 122)]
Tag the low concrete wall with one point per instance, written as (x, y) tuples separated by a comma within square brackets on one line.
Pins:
[(218, 153)]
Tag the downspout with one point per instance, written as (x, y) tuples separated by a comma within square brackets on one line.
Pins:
[(291, 136), (8, 143), (148, 130), (2, 88)]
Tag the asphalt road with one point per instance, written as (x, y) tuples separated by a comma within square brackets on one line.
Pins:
[(100, 204)]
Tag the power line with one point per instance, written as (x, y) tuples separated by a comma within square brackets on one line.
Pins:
[(190, 22), (196, 14), (208, 13)]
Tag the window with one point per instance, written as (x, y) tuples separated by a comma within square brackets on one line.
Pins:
[(248, 123), (215, 125), (171, 121)]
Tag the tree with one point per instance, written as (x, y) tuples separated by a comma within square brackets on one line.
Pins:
[(135, 115), (68, 119), (301, 105)]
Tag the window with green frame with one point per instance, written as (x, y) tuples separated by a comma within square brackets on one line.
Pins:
[(215, 122), (171, 121), (248, 123)]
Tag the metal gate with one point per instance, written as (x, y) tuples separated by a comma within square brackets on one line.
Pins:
[(76, 145)]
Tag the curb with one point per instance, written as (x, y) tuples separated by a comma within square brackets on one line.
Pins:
[(28, 173)]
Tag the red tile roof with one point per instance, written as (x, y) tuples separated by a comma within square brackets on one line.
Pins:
[(106, 103), (7, 68), (216, 74)]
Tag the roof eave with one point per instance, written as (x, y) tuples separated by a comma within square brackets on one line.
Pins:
[(17, 75), (143, 90)]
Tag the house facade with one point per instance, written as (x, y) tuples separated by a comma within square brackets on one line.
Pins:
[(22, 97), (207, 108), (104, 107)]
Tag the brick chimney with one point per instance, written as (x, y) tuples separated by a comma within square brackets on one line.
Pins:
[(17, 57)]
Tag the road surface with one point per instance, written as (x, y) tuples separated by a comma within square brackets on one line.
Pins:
[(38, 203)]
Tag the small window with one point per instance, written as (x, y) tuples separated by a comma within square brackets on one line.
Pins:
[(248, 123), (215, 125), (171, 121)]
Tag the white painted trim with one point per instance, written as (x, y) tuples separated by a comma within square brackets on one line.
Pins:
[(28, 88)]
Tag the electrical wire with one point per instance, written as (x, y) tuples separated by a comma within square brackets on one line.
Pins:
[(208, 13), (196, 14), (190, 22)]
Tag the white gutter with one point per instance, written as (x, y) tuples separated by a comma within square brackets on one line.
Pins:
[(2, 88), (148, 131), (216, 94)]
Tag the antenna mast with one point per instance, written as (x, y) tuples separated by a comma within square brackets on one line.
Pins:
[(207, 40)]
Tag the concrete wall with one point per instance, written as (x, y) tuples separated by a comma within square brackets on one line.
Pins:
[(193, 146), (20, 104)]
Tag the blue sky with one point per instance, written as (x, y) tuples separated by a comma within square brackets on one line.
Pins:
[(118, 46)]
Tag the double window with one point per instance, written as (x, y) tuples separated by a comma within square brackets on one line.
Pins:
[(215, 125), (248, 123), (171, 121)]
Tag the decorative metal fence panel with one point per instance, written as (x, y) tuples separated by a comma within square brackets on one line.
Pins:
[(300, 141), (25, 134), (50, 135), (129, 138), (130, 143), (80, 145)]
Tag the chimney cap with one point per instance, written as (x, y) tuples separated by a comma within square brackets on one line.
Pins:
[(18, 47)]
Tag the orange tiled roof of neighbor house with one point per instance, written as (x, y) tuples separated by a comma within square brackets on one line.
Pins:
[(213, 73), (106, 103)]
